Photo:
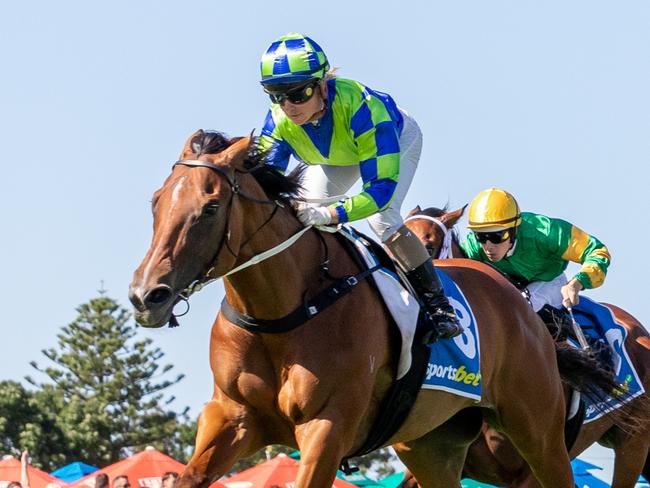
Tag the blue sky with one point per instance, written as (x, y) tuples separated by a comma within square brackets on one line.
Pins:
[(549, 100)]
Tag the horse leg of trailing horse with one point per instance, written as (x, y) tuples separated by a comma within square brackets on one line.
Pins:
[(220, 442), (436, 459), (493, 459), (322, 445), (631, 452)]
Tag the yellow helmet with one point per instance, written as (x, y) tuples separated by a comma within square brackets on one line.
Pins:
[(493, 210)]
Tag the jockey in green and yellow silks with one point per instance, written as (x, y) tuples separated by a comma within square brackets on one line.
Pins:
[(534, 250), (343, 130)]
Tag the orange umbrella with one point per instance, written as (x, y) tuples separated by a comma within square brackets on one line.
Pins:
[(10, 471), (280, 472)]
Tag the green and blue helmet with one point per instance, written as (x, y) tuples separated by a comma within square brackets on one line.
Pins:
[(293, 58)]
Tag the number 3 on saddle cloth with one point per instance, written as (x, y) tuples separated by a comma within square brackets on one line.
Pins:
[(454, 364), (599, 325)]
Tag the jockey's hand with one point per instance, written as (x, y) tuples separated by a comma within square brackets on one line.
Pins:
[(569, 292), (316, 216)]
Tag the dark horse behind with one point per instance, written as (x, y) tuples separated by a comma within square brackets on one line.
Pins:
[(318, 387)]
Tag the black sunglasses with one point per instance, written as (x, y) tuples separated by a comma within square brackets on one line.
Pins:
[(494, 237), (298, 95)]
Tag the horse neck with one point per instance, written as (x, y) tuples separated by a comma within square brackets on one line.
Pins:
[(274, 287)]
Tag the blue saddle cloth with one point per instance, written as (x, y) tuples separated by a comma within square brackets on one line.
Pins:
[(598, 322), (454, 364)]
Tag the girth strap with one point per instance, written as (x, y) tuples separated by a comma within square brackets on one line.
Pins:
[(303, 313)]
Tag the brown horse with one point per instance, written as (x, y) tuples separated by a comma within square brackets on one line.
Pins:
[(492, 458), (318, 387)]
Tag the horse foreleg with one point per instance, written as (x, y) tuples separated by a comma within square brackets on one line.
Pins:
[(322, 446), (436, 459), (222, 439)]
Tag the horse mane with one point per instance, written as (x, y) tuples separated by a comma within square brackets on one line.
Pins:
[(276, 185), (437, 213)]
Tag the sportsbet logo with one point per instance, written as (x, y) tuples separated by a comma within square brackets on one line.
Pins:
[(459, 375)]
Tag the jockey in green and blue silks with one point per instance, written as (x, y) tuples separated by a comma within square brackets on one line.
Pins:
[(362, 129), (343, 131)]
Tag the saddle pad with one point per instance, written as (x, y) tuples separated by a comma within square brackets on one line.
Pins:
[(403, 307), (454, 364), (597, 321)]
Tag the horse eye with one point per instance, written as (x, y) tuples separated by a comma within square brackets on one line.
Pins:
[(211, 208)]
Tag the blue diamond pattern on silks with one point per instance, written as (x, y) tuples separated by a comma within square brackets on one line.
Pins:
[(361, 121), (386, 138), (368, 169), (295, 44), (273, 47), (382, 191), (281, 65)]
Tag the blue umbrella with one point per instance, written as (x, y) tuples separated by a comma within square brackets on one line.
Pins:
[(73, 471)]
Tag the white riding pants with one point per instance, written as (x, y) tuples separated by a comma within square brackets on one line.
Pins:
[(325, 181), (546, 292)]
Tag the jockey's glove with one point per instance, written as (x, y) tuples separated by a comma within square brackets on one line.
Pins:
[(314, 216)]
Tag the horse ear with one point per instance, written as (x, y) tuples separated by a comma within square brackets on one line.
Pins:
[(188, 150), (451, 218), (415, 211), (236, 153)]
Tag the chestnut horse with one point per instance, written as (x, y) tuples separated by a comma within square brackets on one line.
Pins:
[(492, 458), (318, 387)]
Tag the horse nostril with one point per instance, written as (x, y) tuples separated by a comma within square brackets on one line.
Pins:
[(158, 295)]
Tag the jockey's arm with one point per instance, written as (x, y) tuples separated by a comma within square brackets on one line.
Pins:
[(582, 248), (377, 141)]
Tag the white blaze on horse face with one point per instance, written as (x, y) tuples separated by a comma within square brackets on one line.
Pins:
[(176, 192), (175, 198)]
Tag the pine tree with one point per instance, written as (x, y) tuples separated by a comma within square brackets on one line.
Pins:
[(104, 397)]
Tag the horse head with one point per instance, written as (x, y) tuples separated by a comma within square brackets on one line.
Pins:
[(197, 224), (432, 226)]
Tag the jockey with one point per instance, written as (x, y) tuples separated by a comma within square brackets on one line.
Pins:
[(533, 250), (344, 131)]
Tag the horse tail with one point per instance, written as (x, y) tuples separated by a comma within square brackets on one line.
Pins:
[(580, 370)]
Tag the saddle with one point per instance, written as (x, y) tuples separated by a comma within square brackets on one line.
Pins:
[(402, 395)]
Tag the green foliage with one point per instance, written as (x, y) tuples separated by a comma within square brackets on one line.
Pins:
[(103, 398)]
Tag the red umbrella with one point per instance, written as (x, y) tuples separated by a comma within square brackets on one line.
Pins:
[(281, 472), (144, 470), (10, 471)]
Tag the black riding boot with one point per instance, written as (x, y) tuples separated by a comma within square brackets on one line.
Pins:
[(441, 316)]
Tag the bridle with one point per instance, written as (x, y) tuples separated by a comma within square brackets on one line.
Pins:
[(204, 277)]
